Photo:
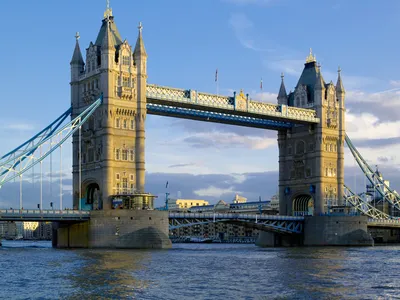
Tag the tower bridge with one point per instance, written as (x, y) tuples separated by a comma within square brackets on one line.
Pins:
[(110, 100)]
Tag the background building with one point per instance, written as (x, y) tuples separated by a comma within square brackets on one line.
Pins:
[(185, 203), (239, 199), (29, 228), (8, 230)]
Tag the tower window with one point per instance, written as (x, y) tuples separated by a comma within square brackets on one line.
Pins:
[(126, 82), (131, 155), (125, 60), (125, 124), (97, 83), (117, 176), (132, 124), (131, 177), (117, 123), (124, 154), (125, 184), (117, 154)]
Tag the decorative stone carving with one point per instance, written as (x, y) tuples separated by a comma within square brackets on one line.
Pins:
[(241, 101)]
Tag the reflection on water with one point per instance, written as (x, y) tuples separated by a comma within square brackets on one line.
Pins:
[(199, 271), (115, 267)]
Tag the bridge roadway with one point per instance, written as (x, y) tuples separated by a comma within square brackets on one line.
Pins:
[(289, 224)]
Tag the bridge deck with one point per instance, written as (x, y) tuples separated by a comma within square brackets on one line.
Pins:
[(43, 215)]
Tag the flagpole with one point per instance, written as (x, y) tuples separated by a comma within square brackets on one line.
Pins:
[(216, 80)]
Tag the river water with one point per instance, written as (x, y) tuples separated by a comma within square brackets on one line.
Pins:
[(34, 270)]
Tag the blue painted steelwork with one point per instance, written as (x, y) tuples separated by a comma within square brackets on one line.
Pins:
[(379, 184), (362, 206), (8, 166), (42, 135), (210, 116), (56, 123), (281, 224)]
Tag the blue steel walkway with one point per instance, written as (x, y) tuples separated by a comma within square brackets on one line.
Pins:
[(281, 224)]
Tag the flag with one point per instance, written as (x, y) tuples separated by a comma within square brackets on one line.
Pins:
[(261, 84), (216, 75), (166, 185)]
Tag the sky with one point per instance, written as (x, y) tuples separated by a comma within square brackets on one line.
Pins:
[(186, 42)]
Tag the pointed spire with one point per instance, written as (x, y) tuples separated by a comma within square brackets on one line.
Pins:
[(310, 58), (139, 48), (108, 41), (320, 83), (282, 90), (108, 11), (77, 56), (339, 83)]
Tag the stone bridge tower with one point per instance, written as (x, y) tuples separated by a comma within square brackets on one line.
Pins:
[(311, 157), (111, 159)]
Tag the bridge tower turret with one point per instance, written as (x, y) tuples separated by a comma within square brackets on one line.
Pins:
[(311, 156), (340, 95), (140, 57), (282, 96)]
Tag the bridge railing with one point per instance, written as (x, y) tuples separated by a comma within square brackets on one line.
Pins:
[(44, 211), (384, 221)]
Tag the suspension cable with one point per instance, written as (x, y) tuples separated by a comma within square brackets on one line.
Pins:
[(61, 178), (80, 166), (41, 180)]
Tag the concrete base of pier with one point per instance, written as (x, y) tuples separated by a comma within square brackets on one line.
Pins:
[(337, 231), (272, 239), (323, 231), (125, 229)]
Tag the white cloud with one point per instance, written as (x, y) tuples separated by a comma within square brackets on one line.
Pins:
[(264, 97), (395, 83), (213, 191), (388, 98), (223, 140), (368, 126)]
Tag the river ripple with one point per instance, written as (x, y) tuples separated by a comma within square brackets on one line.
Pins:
[(33, 270)]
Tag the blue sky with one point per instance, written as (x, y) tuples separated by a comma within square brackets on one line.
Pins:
[(186, 41)]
